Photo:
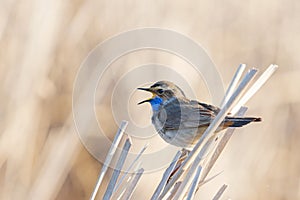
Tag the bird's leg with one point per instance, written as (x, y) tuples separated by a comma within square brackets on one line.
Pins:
[(184, 154)]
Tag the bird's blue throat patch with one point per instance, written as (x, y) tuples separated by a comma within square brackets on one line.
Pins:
[(155, 103)]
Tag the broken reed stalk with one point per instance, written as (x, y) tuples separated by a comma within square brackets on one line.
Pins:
[(130, 167), (220, 192), (132, 185), (237, 76), (217, 151), (248, 95), (229, 92), (227, 135), (194, 185), (255, 87), (117, 194), (174, 190), (191, 171), (113, 180), (113, 184), (196, 154), (166, 175), (109, 157), (220, 147)]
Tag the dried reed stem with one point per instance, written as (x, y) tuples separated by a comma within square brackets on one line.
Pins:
[(174, 190), (124, 186), (130, 189), (117, 170), (220, 192), (109, 157), (194, 185), (166, 176), (130, 167), (237, 76), (220, 147), (255, 87)]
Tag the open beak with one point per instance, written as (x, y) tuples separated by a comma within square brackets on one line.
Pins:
[(145, 89), (147, 100)]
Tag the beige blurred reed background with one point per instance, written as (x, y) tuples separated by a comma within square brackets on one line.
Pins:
[(44, 42)]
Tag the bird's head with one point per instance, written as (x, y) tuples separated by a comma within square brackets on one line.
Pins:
[(163, 90)]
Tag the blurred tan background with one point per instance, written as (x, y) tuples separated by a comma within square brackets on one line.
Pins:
[(42, 44)]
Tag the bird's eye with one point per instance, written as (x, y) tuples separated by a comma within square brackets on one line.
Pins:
[(160, 91)]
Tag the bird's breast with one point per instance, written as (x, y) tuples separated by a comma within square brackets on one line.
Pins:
[(156, 122)]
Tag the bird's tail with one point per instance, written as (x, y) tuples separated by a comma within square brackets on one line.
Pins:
[(240, 121)]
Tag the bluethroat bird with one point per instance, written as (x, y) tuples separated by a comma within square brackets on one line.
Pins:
[(180, 121)]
